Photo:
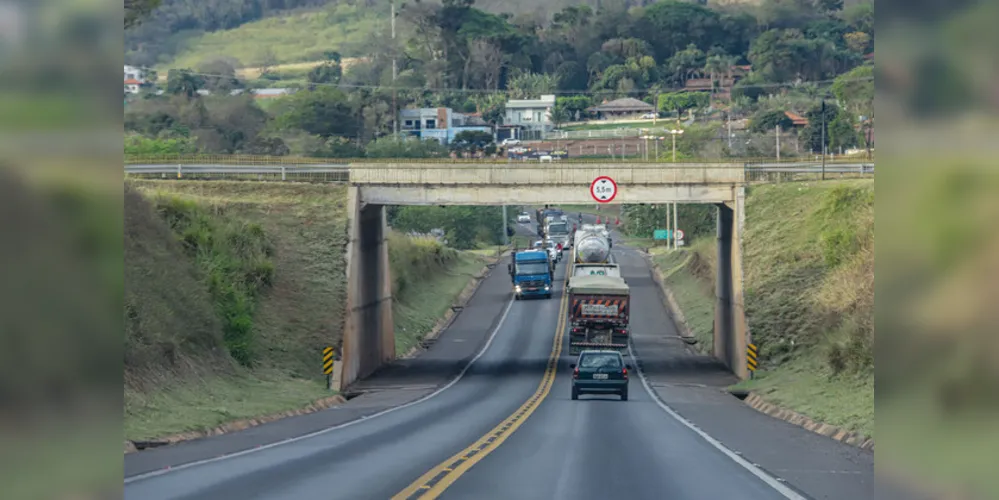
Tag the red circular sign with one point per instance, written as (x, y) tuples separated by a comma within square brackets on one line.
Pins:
[(603, 189)]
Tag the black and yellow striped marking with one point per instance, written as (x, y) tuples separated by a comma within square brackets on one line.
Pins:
[(434, 482), (327, 360), (751, 357)]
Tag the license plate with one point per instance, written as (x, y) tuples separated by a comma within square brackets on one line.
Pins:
[(599, 376), (598, 310)]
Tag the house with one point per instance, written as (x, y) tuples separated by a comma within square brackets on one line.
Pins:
[(627, 107), (527, 118), (135, 79), (700, 81), (132, 86), (441, 124), (797, 121)]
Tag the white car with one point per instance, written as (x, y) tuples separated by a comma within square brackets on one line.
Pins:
[(524, 218), (649, 116), (509, 141)]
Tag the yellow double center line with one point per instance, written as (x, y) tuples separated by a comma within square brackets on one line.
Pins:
[(438, 479)]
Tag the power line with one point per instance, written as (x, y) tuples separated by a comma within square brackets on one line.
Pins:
[(554, 92)]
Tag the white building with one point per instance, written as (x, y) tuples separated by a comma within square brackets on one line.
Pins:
[(529, 118), (135, 78)]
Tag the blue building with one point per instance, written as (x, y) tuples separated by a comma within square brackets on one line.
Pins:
[(441, 124)]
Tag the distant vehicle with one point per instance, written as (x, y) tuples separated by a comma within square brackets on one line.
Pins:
[(524, 218), (649, 116), (557, 229), (531, 272), (553, 250), (509, 141), (600, 372)]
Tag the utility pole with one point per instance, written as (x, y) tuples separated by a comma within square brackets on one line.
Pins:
[(506, 236), (823, 139), (395, 73), (729, 115), (778, 142), (669, 230), (676, 238)]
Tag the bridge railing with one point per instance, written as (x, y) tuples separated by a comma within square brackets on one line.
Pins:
[(551, 174)]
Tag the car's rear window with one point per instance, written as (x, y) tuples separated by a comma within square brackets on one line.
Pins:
[(600, 361)]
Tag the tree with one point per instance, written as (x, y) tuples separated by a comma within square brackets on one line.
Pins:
[(682, 101), (560, 114), (471, 141), (137, 10), (183, 82), (671, 25), (323, 111), (266, 146), (487, 63), (219, 74), (766, 121), (855, 90), (858, 41), (330, 71), (528, 85)]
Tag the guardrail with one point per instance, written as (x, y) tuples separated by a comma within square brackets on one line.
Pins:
[(255, 160)]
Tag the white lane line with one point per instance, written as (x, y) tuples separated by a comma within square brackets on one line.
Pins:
[(752, 468), (450, 384)]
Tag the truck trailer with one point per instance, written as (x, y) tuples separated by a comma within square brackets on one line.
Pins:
[(598, 312)]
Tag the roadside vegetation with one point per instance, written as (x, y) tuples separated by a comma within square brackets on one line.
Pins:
[(232, 289), (809, 277)]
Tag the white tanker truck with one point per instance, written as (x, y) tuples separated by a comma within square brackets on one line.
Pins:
[(592, 244)]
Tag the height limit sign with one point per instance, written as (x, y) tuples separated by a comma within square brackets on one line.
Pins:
[(603, 189)]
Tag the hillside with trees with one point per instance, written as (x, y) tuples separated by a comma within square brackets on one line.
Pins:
[(462, 55)]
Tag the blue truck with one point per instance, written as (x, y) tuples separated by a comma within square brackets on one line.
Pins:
[(532, 272)]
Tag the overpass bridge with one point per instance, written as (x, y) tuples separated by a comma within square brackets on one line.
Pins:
[(369, 337)]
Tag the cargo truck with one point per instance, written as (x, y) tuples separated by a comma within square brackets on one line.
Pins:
[(531, 272), (598, 312), (592, 245)]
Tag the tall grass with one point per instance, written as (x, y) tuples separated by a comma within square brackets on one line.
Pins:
[(234, 260)]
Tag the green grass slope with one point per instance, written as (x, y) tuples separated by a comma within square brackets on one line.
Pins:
[(298, 37), (234, 287), (809, 277)]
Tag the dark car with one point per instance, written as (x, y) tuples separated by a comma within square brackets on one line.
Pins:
[(600, 372)]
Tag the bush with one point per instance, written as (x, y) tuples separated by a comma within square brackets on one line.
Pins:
[(412, 259), (405, 147), (137, 144), (233, 259), (464, 226)]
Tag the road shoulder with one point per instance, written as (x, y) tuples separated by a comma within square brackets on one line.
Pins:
[(400, 382), (693, 385)]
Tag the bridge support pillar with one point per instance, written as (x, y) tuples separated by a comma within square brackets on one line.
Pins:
[(369, 336), (731, 331)]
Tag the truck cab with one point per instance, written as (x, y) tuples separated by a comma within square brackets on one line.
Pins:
[(531, 272)]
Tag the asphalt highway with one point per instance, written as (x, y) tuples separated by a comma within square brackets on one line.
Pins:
[(506, 429)]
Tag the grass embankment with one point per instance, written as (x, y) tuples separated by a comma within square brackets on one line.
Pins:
[(232, 289), (809, 278), (300, 36), (427, 277)]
